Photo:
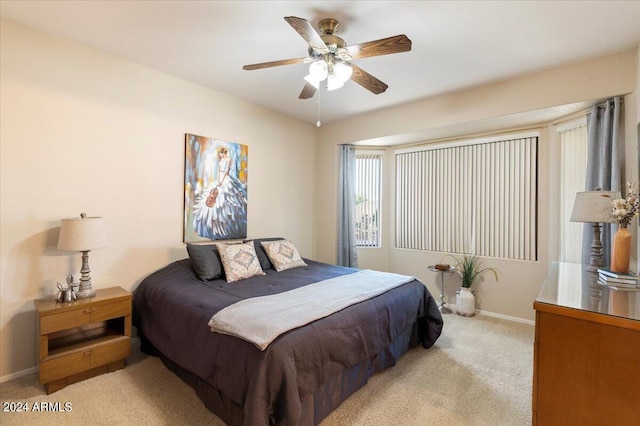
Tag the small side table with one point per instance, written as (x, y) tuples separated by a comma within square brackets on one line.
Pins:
[(442, 307), (84, 338)]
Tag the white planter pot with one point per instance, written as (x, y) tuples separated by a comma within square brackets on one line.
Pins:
[(465, 302)]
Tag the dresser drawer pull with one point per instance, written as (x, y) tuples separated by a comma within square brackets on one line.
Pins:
[(89, 310), (88, 353)]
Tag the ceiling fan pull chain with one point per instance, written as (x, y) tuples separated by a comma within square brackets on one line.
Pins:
[(318, 124)]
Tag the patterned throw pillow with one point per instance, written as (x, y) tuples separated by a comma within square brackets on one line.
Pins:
[(239, 261), (283, 255), (262, 256)]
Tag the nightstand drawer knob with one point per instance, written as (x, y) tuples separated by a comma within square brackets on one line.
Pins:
[(89, 310), (88, 353)]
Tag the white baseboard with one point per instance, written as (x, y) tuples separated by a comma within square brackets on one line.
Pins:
[(493, 314), (506, 317), (135, 346), (18, 374)]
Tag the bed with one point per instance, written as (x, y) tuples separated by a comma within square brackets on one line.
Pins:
[(302, 375)]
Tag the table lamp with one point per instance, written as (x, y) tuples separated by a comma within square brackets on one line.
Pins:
[(594, 207), (83, 234)]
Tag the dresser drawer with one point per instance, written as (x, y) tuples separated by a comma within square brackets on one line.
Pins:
[(68, 363)]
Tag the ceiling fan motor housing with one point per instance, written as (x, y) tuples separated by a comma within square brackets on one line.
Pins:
[(328, 28)]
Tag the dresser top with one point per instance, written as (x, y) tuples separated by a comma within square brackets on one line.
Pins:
[(568, 285)]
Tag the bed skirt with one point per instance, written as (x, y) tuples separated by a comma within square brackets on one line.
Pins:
[(315, 407)]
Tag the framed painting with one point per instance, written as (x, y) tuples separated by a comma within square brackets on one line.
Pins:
[(215, 189)]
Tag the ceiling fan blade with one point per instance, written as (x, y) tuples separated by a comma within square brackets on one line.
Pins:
[(367, 81), (384, 46), (274, 64), (304, 28), (307, 91)]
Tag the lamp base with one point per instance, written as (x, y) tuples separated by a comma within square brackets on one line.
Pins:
[(86, 289), (596, 259), (592, 268), (83, 294)]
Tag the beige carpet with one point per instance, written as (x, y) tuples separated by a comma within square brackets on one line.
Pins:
[(478, 373)]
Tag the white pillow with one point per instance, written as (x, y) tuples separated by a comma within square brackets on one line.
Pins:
[(283, 255), (239, 261)]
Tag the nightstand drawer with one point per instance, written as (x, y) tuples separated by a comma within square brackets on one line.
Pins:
[(111, 310), (119, 349), (83, 316), (64, 320), (68, 363)]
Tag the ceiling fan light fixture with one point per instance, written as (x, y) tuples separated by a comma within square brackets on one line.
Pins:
[(343, 71), (319, 70), (312, 81), (334, 82)]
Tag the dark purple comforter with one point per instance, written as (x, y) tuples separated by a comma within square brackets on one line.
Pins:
[(172, 308)]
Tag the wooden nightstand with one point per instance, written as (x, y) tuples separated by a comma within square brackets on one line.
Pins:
[(84, 338)]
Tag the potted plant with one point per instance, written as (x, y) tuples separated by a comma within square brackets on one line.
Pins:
[(468, 267)]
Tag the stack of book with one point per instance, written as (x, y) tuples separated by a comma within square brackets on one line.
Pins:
[(617, 280)]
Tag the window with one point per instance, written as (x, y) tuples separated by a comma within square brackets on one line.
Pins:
[(573, 169), (367, 192), (475, 197)]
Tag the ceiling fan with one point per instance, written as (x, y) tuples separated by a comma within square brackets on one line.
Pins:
[(329, 57)]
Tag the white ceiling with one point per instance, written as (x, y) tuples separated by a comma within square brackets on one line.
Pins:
[(456, 44)]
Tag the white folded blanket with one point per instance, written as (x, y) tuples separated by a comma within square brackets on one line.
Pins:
[(260, 320)]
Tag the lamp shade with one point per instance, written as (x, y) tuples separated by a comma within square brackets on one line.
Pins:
[(82, 234), (594, 207)]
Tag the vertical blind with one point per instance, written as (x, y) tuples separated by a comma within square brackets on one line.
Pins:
[(573, 168), (367, 207), (476, 197)]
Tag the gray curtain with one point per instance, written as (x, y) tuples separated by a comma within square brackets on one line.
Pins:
[(605, 160), (347, 253)]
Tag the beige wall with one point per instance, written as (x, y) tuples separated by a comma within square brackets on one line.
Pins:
[(519, 281), (87, 131)]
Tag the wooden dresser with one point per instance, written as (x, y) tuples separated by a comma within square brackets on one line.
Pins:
[(587, 351), (83, 338)]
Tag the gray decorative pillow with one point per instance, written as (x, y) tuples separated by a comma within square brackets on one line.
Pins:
[(205, 260), (239, 261), (265, 263), (283, 255)]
